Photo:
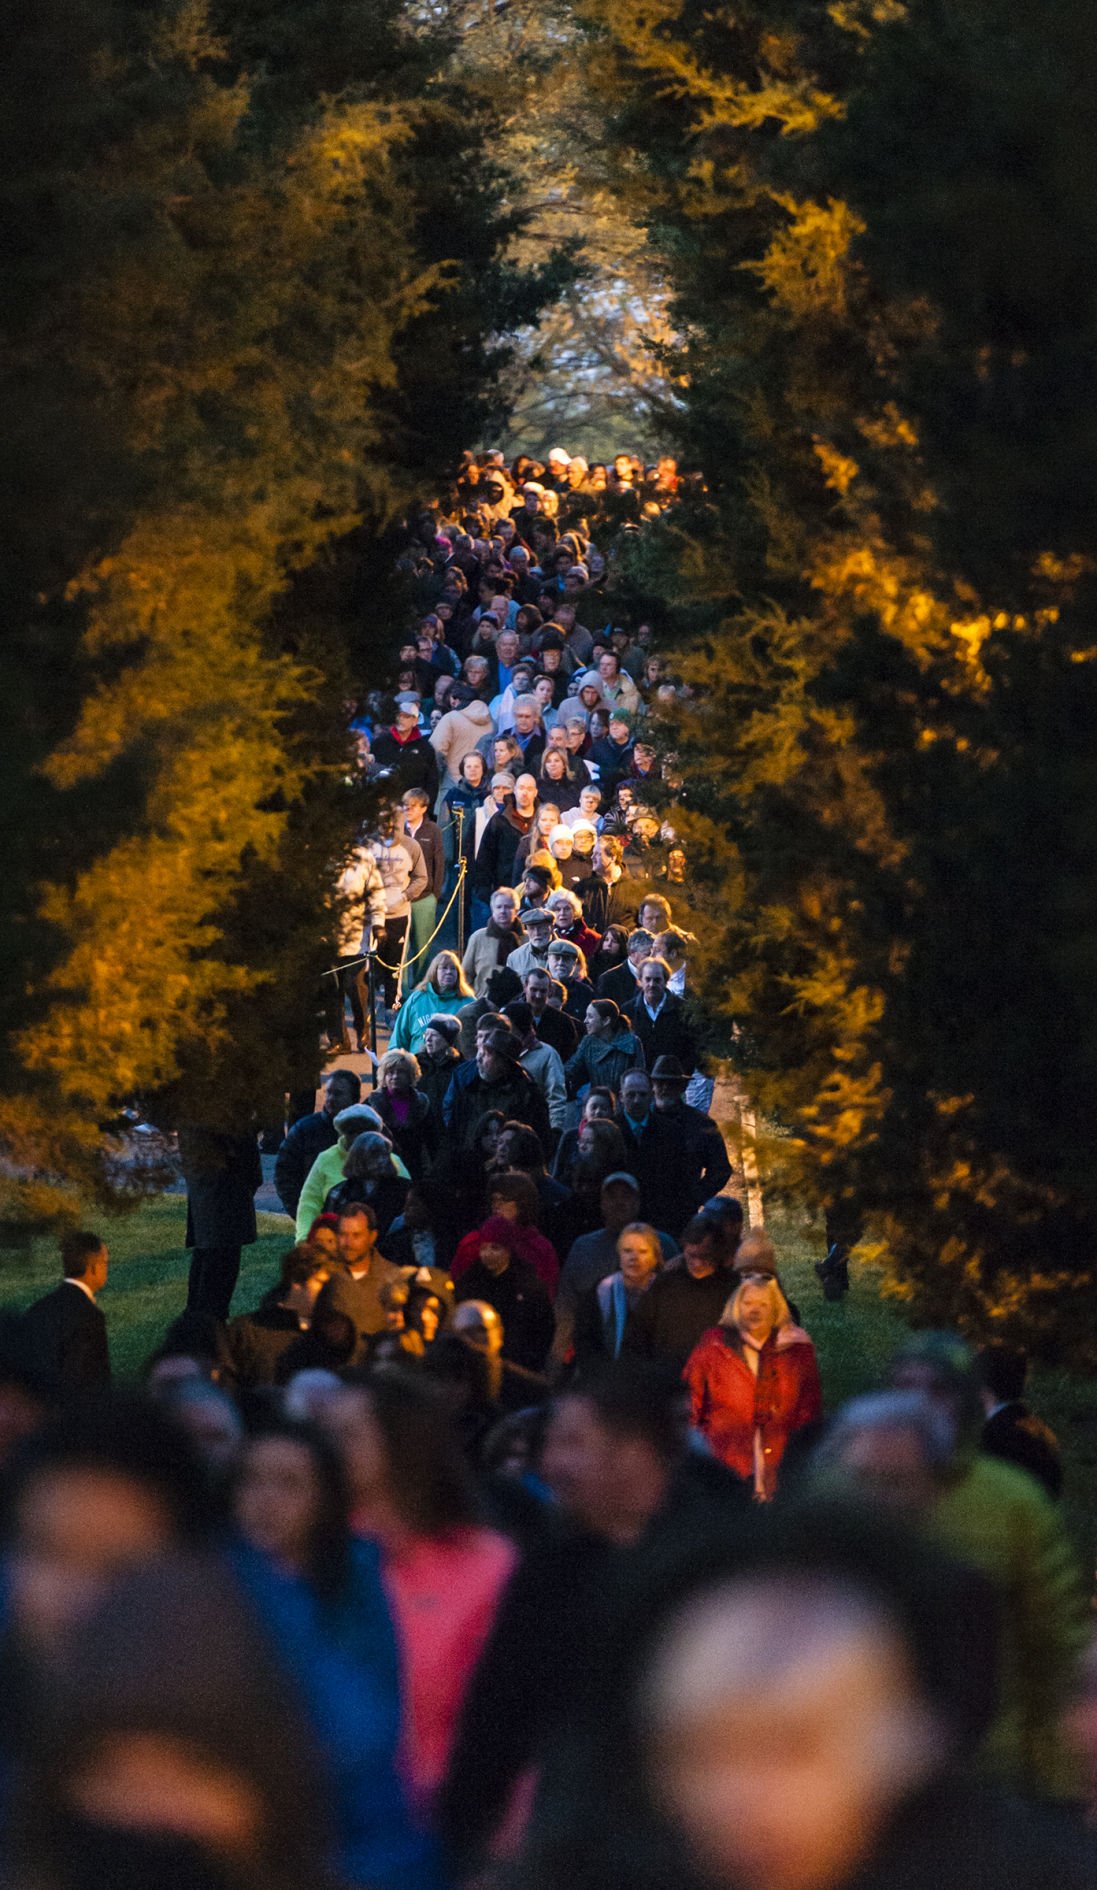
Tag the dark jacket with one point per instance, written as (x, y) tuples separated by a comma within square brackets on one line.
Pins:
[(704, 1168), (433, 850), (416, 1140), (258, 1342), (523, 1305), (469, 1097), (674, 1313), (558, 1030), (222, 1173), (307, 1139), (435, 1078), (605, 905), (1016, 1434), (670, 1034), (386, 1197), (495, 863), (65, 1335), (619, 984), (410, 764), (612, 761)]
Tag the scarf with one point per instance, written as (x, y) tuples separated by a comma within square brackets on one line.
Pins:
[(509, 940)]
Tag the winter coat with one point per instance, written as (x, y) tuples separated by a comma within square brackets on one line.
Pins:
[(523, 1306), (365, 912), (306, 1140), (469, 801), (326, 1170), (456, 735), (403, 871), (415, 1140), (674, 1314), (420, 1005), (482, 955), (603, 1061), (436, 1077), (409, 763), (222, 1173), (543, 1063), (668, 1034), (386, 1197), (729, 1404), (258, 1341), (526, 959), (469, 1097), (495, 862)]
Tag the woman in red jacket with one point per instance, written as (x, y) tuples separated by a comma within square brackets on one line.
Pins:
[(753, 1381)]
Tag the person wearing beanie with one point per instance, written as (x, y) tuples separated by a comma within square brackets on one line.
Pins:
[(503, 1280), (439, 1058)]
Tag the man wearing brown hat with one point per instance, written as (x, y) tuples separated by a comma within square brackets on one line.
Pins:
[(405, 753), (500, 1082)]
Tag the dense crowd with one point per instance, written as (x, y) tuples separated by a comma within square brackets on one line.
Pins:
[(506, 1538)]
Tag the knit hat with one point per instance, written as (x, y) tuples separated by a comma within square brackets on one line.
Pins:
[(503, 779), (445, 1023)]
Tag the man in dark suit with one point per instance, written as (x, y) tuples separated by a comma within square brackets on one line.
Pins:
[(1012, 1429), (661, 1020), (65, 1333), (222, 1172)]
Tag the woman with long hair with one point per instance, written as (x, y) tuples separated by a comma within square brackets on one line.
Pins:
[(558, 780), (444, 988), (369, 1175), (753, 1381), (413, 1495)]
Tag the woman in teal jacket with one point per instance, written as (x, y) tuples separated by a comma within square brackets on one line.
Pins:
[(445, 988), (606, 1053)]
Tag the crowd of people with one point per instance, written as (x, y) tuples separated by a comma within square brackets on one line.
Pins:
[(507, 1538)]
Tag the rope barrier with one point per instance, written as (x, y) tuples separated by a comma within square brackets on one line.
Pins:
[(348, 964)]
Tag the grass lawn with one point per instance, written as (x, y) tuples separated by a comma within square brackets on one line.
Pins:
[(148, 1277), (855, 1337)]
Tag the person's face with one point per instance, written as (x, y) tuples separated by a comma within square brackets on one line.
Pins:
[(562, 968), (398, 1082), (578, 1460), (557, 741), (525, 718), (561, 850), (414, 809), (590, 695), (95, 1274), (537, 991), (620, 1205), (76, 1530), (378, 1160), (302, 1297), (406, 720), (574, 735), (507, 646), (700, 1259), (555, 764), (356, 1240), (594, 1025), (608, 665), (434, 1043), (550, 661), (636, 1096), (780, 1740), (491, 1067), (503, 910), (651, 918), (653, 984), (637, 1259), (495, 1259), (539, 930), (448, 975), (472, 769), (525, 795), (755, 1312), (667, 1095), (890, 1467), (532, 501), (277, 1499), (506, 1210)]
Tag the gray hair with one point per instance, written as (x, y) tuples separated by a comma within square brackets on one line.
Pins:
[(892, 1411)]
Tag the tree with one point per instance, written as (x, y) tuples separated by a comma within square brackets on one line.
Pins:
[(228, 277), (879, 224)]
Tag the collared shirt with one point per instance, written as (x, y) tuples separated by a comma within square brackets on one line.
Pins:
[(83, 1286), (653, 1014)]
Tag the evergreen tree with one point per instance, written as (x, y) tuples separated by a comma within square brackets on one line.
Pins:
[(225, 234), (879, 220)]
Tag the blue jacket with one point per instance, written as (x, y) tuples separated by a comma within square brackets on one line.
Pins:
[(345, 1663)]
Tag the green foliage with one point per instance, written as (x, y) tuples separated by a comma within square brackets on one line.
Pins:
[(879, 224), (240, 283)]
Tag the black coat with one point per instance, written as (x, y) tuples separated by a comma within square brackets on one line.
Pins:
[(1016, 1434), (517, 1096), (307, 1139), (410, 764), (495, 865), (620, 985), (66, 1337), (259, 1341), (700, 1158), (559, 1031), (386, 1197), (523, 1305), (668, 1035), (436, 1077), (222, 1173), (416, 1140), (673, 1314)]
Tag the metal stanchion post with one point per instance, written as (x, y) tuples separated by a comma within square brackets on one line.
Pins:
[(370, 959), (460, 816)]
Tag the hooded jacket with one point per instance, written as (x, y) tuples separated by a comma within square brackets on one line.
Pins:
[(403, 872), (456, 735)]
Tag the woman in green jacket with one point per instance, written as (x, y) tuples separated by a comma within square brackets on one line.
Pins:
[(445, 988)]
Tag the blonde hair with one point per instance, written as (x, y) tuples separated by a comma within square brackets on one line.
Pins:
[(643, 1230), (399, 1060), (464, 988), (778, 1304)]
